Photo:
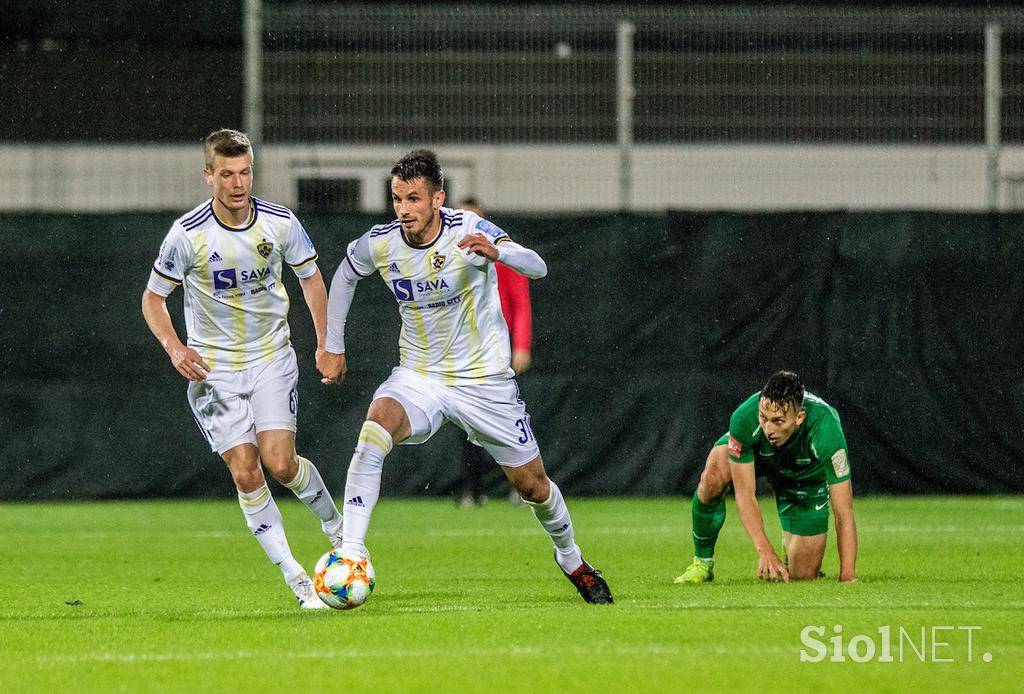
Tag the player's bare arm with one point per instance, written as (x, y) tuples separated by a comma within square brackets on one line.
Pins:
[(841, 497), (769, 566), (185, 360), (315, 293), (330, 361)]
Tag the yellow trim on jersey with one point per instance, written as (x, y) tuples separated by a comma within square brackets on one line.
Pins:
[(165, 278), (304, 264), (472, 324), (501, 240)]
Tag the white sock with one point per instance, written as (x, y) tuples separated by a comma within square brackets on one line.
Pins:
[(362, 486), (553, 514), (309, 487), (264, 520)]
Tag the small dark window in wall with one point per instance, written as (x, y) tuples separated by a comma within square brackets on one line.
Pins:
[(329, 195)]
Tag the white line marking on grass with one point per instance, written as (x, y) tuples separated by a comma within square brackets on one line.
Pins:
[(202, 534), (1000, 606), (431, 653), (930, 529), (532, 530)]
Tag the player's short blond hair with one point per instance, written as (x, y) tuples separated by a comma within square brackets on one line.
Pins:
[(226, 143)]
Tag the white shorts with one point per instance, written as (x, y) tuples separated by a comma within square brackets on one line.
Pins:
[(231, 406), (492, 414)]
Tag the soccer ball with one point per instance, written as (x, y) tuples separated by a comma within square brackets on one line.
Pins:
[(341, 582)]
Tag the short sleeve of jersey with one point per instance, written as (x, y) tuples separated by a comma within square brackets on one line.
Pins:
[(829, 443), (299, 252), (490, 230), (359, 257), (742, 426), (172, 263)]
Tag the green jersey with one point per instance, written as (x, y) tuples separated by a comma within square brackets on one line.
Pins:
[(814, 457)]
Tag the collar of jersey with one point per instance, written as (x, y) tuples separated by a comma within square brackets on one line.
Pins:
[(440, 230), (245, 227)]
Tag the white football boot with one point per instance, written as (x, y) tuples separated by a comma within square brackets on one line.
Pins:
[(304, 591)]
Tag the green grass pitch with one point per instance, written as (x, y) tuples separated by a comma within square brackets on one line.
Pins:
[(176, 597)]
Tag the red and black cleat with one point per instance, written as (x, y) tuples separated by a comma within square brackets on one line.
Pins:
[(591, 586)]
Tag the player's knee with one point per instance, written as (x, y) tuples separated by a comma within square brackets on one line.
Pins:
[(713, 483), (281, 466), (535, 489), (247, 479), (803, 574)]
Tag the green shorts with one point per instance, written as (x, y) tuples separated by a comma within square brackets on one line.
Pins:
[(801, 514)]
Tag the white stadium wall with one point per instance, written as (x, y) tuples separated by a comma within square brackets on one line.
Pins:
[(524, 178)]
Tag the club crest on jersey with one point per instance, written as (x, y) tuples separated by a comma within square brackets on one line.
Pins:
[(437, 260), (265, 248)]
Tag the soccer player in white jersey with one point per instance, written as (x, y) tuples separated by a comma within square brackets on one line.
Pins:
[(454, 355), (229, 254)]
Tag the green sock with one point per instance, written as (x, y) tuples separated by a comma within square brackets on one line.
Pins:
[(708, 520)]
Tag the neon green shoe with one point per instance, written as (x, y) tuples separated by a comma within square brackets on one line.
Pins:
[(700, 571)]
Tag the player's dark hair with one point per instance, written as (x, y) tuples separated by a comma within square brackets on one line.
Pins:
[(784, 388), (226, 143), (420, 163)]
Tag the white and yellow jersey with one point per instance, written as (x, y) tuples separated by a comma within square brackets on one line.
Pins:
[(236, 306), (452, 326)]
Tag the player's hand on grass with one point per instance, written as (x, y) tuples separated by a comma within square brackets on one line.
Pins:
[(481, 245), (331, 366), (771, 568), (189, 364)]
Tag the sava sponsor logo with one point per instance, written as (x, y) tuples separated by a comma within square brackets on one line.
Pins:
[(407, 290), (230, 277)]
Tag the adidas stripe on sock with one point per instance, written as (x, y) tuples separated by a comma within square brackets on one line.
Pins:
[(309, 487), (264, 520)]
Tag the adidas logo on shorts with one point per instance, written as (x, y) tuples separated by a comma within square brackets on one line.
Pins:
[(356, 501)]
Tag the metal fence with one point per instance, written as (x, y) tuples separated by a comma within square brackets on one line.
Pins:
[(505, 74)]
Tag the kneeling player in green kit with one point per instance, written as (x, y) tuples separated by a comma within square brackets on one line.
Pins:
[(796, 439)]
